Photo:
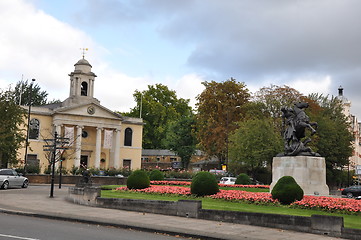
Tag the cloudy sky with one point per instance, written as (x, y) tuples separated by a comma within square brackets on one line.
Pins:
[(312, 46)]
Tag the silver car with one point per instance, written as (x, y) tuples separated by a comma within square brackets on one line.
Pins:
[(10, 178)]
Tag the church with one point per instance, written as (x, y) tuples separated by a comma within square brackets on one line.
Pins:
[(90, 135)]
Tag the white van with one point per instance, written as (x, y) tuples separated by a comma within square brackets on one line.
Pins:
[(228, 180)]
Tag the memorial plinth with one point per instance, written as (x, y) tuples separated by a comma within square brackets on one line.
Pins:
[(308, 171)]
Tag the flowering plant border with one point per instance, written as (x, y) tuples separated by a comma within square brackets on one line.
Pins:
[(185, 183), (328, 204)]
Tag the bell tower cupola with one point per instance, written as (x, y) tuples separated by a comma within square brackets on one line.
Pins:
[(81, 84)]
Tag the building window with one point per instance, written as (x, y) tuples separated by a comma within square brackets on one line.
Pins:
[(34, 129), (145, 159), (128, 135), (84, 89), (32, 160), (84, 134), (127, 163), (172, 159)]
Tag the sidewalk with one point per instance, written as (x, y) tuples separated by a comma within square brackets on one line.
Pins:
[(35, 201)]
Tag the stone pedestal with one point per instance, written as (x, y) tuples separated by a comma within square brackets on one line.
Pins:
[(308, 171)]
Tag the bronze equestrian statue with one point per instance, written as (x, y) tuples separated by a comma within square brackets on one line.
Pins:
[(296, 122)]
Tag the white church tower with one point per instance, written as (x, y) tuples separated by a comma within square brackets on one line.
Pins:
[(81, 84)]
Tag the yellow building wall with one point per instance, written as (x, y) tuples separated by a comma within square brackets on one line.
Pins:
[(132, 153)]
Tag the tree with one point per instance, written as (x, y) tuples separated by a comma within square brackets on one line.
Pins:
[(158, 106), (219, 107), (12, 124), (253, 146), (333, 139), (181, 138), (22, 94), (274, 98)]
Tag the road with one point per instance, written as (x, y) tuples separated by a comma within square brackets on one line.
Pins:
[(14, 227)]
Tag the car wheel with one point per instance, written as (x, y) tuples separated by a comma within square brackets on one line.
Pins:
[(5, 185), (349, 195), (25, 184)]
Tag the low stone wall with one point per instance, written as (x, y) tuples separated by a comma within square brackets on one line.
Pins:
[(70, 179), (317, 224)]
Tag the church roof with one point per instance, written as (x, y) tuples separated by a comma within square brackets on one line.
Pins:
[(83, 62)]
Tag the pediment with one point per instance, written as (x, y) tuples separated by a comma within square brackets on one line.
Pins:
[(88, 110)]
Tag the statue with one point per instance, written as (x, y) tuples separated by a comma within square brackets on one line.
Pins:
[(296, 122), (85, 180)]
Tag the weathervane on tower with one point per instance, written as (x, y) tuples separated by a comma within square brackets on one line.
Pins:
[(83, 51)]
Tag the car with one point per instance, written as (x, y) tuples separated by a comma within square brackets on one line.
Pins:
[(228, 180), (353, 191), (9, 178)]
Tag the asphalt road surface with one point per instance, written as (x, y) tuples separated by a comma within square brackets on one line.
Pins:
[(14, 227)]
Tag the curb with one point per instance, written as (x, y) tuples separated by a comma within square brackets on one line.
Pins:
[(175, 233)]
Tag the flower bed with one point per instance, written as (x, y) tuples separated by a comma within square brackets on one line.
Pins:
[(329, 204), (161, 189), (183, 183), (252, 197)]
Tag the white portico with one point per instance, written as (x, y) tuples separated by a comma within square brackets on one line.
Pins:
[(98, 137)]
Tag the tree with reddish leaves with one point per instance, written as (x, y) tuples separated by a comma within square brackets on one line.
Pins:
[(219, 109)]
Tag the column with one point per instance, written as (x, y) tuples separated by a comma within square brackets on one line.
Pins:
[(98, 145), (116, 159), (78, 146)]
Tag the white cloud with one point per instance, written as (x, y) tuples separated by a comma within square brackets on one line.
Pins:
[(115, 90), (189, 86), (312, 84), (38, 46)]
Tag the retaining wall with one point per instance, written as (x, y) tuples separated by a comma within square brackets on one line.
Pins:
[(317, 224), (70, 179)]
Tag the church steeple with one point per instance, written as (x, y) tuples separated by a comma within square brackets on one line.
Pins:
[(81, 83)]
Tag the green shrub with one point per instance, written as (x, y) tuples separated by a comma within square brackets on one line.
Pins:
[(204, 183), (182, 174), (64, 171), (243, 179), (75, 170), (138, 180), (286, 190), (47, 170), (156, 175)]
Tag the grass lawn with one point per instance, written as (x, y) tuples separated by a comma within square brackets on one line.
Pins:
[(350, 221)]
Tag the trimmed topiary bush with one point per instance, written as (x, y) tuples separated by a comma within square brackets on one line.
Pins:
[(138, 180), (156, 175), (243, 179), (204, 183), (286, 190)]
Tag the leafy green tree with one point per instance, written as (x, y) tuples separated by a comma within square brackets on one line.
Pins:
[(22, 92), (219, 109), (253, 146), (333, 139), (12, 124), (158, 106), (181, 138)]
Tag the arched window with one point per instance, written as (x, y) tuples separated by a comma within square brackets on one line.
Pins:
[(128, 135), (34, 128), (84, 89)]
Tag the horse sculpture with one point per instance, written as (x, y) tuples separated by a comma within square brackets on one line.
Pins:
[(296, 122)]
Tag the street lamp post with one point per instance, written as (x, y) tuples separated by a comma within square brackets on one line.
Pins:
[(28, 126)]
